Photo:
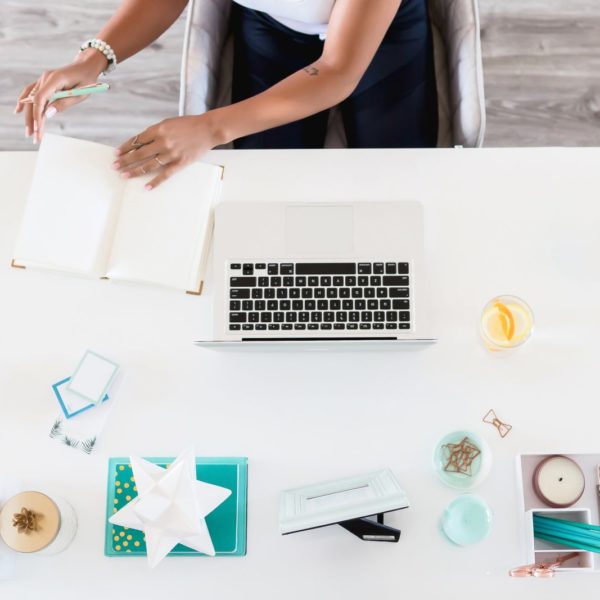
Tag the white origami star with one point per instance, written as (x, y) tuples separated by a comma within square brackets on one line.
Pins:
[(171, 506)]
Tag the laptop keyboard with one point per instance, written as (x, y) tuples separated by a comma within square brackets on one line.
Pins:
[(319, 297)]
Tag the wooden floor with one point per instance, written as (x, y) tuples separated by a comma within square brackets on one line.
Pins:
[(541, 60)]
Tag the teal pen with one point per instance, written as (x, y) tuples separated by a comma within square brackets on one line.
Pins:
[(572, 533), (95, 88), (580, 524), (568, 543)]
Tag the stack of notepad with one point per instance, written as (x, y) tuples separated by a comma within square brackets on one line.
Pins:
[(82, 217)]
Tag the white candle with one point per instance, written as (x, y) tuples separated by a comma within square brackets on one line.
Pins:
[(558, 481)]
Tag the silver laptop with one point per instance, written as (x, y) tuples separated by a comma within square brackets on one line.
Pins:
[(317, 274)]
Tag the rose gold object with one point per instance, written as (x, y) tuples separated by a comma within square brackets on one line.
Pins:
[(492, 419), (543, 569)]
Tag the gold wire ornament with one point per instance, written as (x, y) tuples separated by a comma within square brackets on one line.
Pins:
[(491, 418), (25, 521)]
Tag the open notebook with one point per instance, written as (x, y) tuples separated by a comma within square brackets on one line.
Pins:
[(82, 217)]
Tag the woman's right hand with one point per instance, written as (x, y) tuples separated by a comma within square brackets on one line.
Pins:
[(83, 71)]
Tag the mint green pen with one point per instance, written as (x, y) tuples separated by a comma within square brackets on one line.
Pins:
[(95, 88)]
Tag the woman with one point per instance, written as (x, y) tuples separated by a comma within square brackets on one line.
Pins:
[(293, 60)]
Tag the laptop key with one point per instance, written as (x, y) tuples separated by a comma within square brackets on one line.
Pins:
[(402, 304), (351, 325), (363, 281), (372, 305), (319, 293), (300, 326), (260, 266), (395, 280), (274, 327), (237, 317), (404, 315), (248, 269), (235, 305), (339, 326), (325, 325), (385, 304), (357, 293), (297, 305), (375, 280), (329, 316), (303, 317), (366, 315), (286, 326), (247, 305), (378, 268), (278, 317), (325, 268), (313, 281), (377, 325), (398, 292), (391, 326), (307, 293), (266, 317), (282, 293), (325, 281), (379, 316), (273, 269), (402, 268), (338, 280), (247, 327), (350, 281), (260, 305), (286, 269), (300, 281), (294, 293), (322, 305), (365, 325), (360, 304), (344, 293), (364, 268), (332, 293), (285, 305), (253, 317), (235, 266), (391, 315), (341, 316), (270, 293), (313, 326), (310, 305), (403, 325), (390, 268), (257, 293), (316, 317), (242, 282), (347, 304), (369, 292), (354, 316), (381, 292), (234, 327), (239, 294), (291, 317), (335, 305), (288, 281), (272, 305), (260, 326), (275, 281)]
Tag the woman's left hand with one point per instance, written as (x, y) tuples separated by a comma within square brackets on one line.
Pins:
[(166, 147)]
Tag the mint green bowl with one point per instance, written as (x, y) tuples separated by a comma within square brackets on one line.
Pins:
[(466, 520)]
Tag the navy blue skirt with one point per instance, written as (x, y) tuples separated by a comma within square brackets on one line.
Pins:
[(393, 106)]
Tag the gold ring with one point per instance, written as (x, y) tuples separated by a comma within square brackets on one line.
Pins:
[(136, 144), (158, 161)]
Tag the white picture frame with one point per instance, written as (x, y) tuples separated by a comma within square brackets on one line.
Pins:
[(333, 502)]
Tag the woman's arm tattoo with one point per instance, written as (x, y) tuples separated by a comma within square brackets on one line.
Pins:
[(312, 71)]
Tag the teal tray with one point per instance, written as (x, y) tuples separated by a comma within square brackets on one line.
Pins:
[(226, 524)]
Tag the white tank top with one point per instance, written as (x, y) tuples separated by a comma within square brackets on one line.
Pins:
[(305, 16)]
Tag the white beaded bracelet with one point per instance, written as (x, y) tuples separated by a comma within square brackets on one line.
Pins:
[(103, 47)]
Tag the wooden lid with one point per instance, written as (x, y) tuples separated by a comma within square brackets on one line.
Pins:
[(43, 526)]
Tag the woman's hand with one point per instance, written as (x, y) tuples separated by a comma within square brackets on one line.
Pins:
[(167, 147), (83, 71)]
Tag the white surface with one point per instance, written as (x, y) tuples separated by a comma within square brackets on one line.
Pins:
[(171, 506), (497, 221)]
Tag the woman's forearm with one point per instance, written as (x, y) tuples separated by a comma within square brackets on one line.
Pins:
[(137, 23), (307, 92)]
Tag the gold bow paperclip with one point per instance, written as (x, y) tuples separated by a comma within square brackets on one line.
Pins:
[(492, 419)]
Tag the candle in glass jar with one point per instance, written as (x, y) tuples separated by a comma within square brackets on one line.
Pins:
[(558, 481)]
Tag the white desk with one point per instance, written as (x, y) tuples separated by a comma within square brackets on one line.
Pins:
[(497, 221)]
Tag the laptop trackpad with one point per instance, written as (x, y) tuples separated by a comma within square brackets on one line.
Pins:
[(319, 230)]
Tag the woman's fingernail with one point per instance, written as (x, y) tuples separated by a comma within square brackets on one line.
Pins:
[(118, 151), (115, 165), (27, 131), (147, 187), (125, 175), (50, 112)]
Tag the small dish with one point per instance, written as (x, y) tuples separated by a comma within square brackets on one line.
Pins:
[(478, 466), (466, 520)]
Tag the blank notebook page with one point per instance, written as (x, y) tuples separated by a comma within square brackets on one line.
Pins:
[(160, 233), (72, 207)]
